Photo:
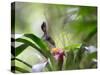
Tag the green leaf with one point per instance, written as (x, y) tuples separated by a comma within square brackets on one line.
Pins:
[(13, 59), (16, 68), (87, 61), (91, 34), (42, 44), (92, 55), (27, 42), (37, 40), (69, 60), (72, 46), (79, 54), (20, 49), (44, 48)]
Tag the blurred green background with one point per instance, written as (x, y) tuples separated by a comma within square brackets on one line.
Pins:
[(67, 25)]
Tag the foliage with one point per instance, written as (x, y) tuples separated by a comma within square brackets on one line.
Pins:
[(71, 27), (74, 57)]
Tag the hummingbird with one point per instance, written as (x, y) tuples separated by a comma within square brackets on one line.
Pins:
[(46, 36), (57, 53)]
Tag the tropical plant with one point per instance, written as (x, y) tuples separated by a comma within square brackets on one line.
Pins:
[(75, 56), (69, 42)]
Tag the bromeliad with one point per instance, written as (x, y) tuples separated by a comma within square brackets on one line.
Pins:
[(57, 53)]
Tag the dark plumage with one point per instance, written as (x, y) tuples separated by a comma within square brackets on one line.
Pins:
[(46, 35)]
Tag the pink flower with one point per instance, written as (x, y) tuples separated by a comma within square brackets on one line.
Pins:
[(58, 53)]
